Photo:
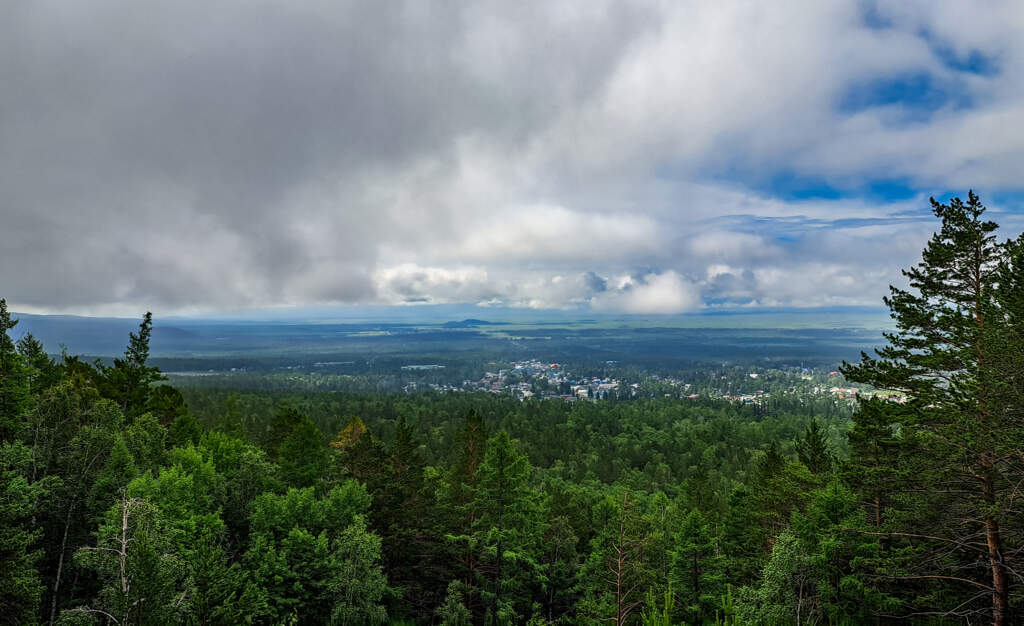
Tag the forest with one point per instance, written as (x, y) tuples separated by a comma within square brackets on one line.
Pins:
[(125, 500)]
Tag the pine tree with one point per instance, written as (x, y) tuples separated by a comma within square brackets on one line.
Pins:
[(616, 575), (779, 486), (404, 517), (953, 335)]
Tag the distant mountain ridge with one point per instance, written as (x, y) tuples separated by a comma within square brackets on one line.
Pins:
[(466, 323)]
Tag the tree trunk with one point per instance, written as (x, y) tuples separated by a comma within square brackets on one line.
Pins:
[(619, 617), (1000, 584), (60, 567)]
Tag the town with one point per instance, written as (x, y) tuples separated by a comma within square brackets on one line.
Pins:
[(534, 378)]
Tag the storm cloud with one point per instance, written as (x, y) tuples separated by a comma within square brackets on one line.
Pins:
[(641, 157)]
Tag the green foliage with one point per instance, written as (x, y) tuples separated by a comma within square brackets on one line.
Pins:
[(118, 471), (313, 557), (658, 612), (508, 528), (360, 583), (43, 372), (20, 501), (697, 569), (938, 467), (184, 430), (128, 382), (303, 455), (137, 565), (147, 441), (615, 575), (246, 472), (832, 545), (783, 594), (454, 612), (813, 450), (743, 538), (14, 380)]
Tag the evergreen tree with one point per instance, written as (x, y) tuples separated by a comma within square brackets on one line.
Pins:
[(508, 529), (20, 586), (780, 487), (742, 537), (14, 383), (830, 552), (454, 612), (952, 333), (166, 404), (43, 372), (615, 577), (359, 455), (561, 564), (813, 450), (303, 455), (458, 499), (697, 569), (403, 517), (280, 427), (74, 436), (117, 473), (128, 382)]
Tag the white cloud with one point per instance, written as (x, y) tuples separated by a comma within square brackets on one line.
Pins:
[(655, 293), (412, 284), (546, 155)]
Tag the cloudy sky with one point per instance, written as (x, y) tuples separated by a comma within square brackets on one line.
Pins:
[(633, 157)]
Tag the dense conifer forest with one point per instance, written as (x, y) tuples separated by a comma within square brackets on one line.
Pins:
[(126, 501)]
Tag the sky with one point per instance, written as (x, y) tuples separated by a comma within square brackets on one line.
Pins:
[(649, 158)]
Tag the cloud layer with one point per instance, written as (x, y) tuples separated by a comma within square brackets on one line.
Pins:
[(648, 157)]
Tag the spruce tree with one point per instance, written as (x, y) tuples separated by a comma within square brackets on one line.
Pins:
[(458, 501), (128, 382), (43, 372), (813, 450), (697, 568), (14, 384), (508, 529)]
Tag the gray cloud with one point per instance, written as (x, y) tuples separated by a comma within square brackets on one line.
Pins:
[(194, 156)]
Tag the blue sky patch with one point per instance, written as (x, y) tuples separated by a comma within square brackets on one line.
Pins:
[(794, 187), (920, 94)]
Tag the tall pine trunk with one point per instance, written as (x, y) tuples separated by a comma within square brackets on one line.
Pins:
[(1000, 582)]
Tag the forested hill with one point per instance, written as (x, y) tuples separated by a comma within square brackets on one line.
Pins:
[(126, 501)]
